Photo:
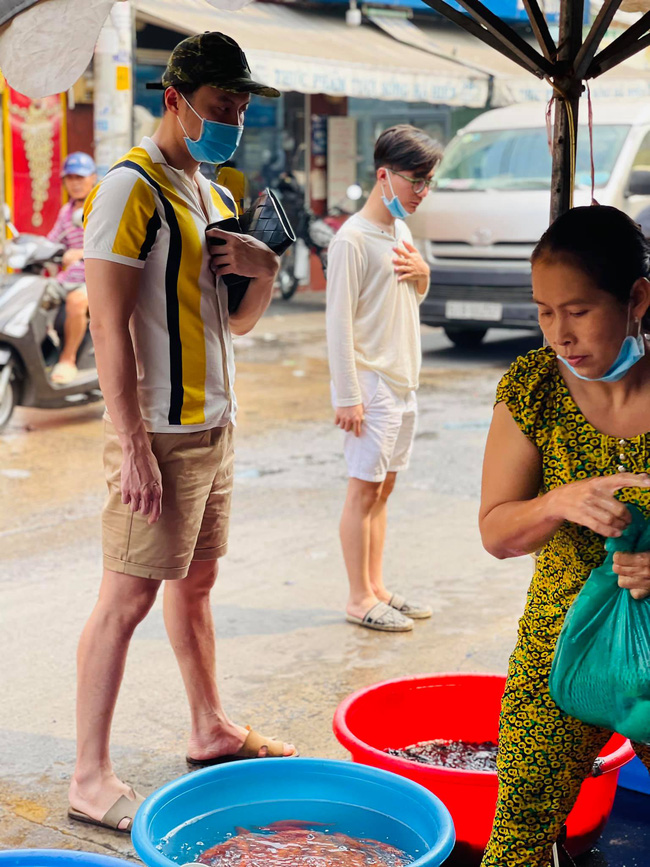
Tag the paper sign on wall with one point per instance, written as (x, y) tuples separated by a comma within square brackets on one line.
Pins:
[(341, 158)]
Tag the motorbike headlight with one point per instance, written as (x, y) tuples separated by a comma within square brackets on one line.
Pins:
[(16, 261), (19, 254), (320, 233), (18, 325)]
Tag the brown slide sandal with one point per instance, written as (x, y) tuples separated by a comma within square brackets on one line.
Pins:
[(249, 750), (123, 808)]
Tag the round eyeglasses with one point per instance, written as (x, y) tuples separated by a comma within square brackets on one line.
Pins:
[(419, 184)]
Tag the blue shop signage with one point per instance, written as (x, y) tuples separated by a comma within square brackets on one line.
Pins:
[(509, 10)]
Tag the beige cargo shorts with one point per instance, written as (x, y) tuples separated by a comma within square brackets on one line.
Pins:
[(197, 477)]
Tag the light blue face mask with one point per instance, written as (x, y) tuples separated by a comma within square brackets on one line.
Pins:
[(217, 141), (395, 207), (632, 349)]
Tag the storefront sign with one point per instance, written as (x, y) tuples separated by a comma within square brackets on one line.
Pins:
[(508, 91), (34, 138), (291, 72)]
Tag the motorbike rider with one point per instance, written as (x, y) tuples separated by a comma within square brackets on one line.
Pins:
[(79, 177)]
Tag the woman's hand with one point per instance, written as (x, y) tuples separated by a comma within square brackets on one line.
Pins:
[(591, 503), (633, 572)]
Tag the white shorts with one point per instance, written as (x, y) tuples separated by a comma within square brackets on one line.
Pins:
[(387, 432)]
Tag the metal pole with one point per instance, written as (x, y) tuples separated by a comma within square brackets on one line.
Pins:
[(307, 110), (134, 61), (113, 87), (567, 90)]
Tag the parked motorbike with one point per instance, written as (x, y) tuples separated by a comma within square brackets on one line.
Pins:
[(32, 317), (314, 234)]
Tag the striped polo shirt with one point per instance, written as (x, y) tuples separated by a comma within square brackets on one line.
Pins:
[(146, 214), (65, 231)]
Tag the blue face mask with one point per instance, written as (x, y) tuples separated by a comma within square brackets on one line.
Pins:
[(395, 207), (217, 142), (632, 349)]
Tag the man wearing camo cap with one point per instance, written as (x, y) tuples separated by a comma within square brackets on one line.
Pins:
[(163, 340)]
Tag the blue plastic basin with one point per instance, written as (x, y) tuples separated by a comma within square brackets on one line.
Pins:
[(634, 775), (199, 810), (55, 858)]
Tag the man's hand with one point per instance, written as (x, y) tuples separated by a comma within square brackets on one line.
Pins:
[(241, 254), (409, 265), (141, 481), (633, 572), (71, 256), (350, 418)]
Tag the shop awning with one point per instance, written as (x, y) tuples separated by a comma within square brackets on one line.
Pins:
[(312, 52), (630, 80), (399, 27)]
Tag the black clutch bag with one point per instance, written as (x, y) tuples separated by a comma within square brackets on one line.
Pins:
[(266, 221)]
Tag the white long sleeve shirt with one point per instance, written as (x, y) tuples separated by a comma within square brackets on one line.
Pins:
[(373, 320)]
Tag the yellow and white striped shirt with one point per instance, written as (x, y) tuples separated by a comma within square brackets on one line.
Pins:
[(147, 214)]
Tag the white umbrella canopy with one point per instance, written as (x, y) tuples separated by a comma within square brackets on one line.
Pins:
[(635, 6), (45, 45)]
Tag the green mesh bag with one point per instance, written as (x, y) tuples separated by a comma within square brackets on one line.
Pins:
[(601, 667)]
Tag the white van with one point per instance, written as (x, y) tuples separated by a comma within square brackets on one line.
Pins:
[(491, 205)]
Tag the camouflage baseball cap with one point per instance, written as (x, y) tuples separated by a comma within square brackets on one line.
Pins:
[(215, 59)]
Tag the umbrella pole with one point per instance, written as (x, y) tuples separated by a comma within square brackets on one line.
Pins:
[(567, 89)]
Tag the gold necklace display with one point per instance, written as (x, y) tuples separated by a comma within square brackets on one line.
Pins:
[(38, 136)]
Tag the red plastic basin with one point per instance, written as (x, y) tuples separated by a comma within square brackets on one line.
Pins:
[(464, 707)]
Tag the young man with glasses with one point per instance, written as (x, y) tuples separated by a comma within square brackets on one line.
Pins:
[(375, 284)]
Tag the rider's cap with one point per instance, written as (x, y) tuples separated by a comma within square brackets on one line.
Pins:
[(215, 59), (78, 163)]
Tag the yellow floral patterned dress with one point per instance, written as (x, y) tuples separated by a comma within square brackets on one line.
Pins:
[(544, 755)]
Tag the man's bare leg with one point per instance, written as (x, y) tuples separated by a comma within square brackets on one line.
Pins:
[(378, 521), (123, 602), (190, 627), (74, 329), (362, 497)]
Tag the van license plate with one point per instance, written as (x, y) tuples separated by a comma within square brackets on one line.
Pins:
[(485, 311)]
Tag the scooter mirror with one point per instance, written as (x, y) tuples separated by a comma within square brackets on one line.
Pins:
[(78, 218), (354, 192), (9, 226)]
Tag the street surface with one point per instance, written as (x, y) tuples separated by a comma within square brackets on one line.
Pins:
[(286, 655)]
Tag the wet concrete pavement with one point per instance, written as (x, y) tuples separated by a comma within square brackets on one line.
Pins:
[(286, 656)]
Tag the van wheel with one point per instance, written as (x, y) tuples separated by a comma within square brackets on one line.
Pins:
[(8, 404), (466, 338)]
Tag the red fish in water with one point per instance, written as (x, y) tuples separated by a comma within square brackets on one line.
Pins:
[(291, 825), (297, 844)]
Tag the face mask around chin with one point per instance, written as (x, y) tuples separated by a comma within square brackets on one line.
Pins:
[(632, 350), (395, 207)]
